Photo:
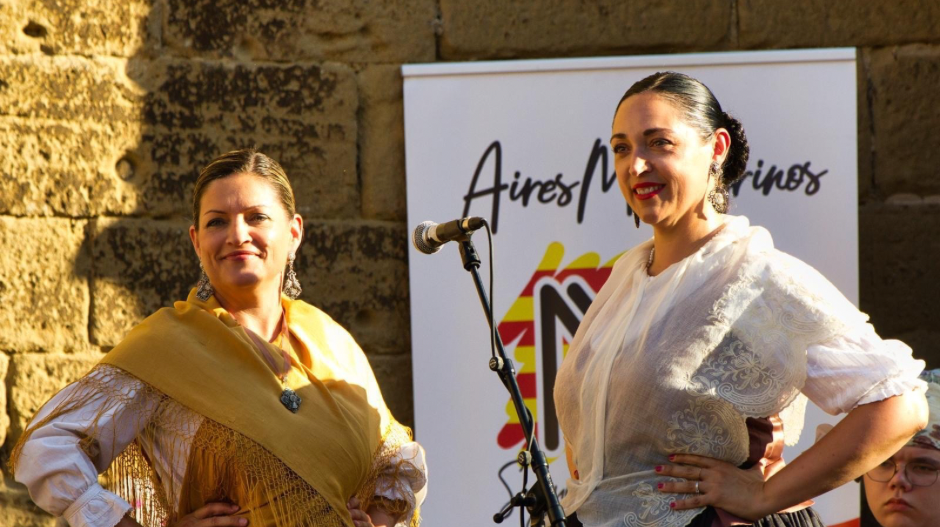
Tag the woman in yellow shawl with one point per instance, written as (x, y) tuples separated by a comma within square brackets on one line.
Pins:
[(239, 406)]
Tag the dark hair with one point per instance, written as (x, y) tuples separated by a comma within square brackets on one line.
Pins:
[(702, 111), (244, 161)]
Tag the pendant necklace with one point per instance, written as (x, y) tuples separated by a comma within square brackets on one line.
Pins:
[(289, 398)]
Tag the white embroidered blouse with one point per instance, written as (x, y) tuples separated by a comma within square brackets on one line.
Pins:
[(676, 363)]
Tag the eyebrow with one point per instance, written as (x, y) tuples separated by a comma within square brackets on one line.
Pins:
[(224, 212), (646, 133), (925, 460)]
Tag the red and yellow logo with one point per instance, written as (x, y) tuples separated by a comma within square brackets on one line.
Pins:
[(540, 324)]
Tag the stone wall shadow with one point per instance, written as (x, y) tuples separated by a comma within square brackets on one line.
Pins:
[(205, 87)]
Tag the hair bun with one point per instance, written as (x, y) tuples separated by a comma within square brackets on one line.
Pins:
[(738, 152)]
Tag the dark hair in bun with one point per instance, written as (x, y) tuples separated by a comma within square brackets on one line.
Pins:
[(702, 111)]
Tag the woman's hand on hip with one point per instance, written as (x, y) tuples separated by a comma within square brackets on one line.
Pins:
[(360, 517), (216, 514), (376, 516), (716, 483)]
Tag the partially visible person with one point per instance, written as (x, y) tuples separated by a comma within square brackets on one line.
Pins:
[(903, 491)]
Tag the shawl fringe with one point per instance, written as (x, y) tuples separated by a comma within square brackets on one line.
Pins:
[(221, 463)]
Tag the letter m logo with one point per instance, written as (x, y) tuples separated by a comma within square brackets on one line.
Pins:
[(537, 330)]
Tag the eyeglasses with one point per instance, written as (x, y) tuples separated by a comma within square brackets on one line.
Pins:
[(919, 474)]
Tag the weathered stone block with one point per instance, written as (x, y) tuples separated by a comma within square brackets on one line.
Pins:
[(356, 31), (904, 112), (108, 27), (359, 275), (139, 137), (394, 375), (35, 377), (138, 266), (64, 168), (866, 185), (4, 418), (382, 143), (43, 294), (65, 125), (496, 29), (304, 116), (818, 23), (898, 254), (68, 88)]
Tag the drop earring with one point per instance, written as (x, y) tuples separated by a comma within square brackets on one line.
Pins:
[(291, 284), (203, 287), (718, 196)]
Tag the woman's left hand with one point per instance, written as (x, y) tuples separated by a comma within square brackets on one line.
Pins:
[(375, 517), (359, 516), (716, 483)]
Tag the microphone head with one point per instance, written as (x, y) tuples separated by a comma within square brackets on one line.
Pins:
[(419, 241)]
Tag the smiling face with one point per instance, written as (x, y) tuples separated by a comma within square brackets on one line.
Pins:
[(244, 235), (662, 162), (898, 503)]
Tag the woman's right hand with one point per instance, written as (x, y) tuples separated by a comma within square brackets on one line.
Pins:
[(216, 514)]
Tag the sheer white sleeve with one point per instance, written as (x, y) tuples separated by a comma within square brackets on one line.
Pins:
[(858, 367), (412, 477), (62, 478)]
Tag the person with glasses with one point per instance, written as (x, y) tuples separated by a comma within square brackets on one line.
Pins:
[(903, 491)]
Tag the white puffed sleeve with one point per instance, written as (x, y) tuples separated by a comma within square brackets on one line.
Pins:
[(412, 477), (61, 477), (858, 367)]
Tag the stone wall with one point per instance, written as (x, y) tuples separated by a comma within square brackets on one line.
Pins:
[(108, 108)]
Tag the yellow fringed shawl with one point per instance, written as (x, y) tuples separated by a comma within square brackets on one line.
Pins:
[(282, 469)]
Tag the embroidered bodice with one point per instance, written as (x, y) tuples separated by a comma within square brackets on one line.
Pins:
[(676, 363)]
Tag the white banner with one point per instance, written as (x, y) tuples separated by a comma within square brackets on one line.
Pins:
[(525, 145)]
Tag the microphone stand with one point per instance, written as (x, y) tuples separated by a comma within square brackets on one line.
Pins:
[(542, 498)]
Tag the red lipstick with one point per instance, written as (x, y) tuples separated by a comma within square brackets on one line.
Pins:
[(647, 190)]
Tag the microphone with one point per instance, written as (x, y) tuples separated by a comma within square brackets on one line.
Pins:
[(429, 237)]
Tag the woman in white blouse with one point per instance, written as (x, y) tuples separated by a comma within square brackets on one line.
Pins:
[(692, 367)]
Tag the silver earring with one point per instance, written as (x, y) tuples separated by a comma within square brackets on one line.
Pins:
[(203, 287), (714, 170), (718, 196), (291, 285)]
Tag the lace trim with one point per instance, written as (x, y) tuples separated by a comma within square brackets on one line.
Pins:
[(766, 309), (708, 427), (654, 508)]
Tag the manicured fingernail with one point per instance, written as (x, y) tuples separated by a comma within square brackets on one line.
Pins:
[(660, 485), (672, 457), (672, 505), (659, 468), (242, 521)]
